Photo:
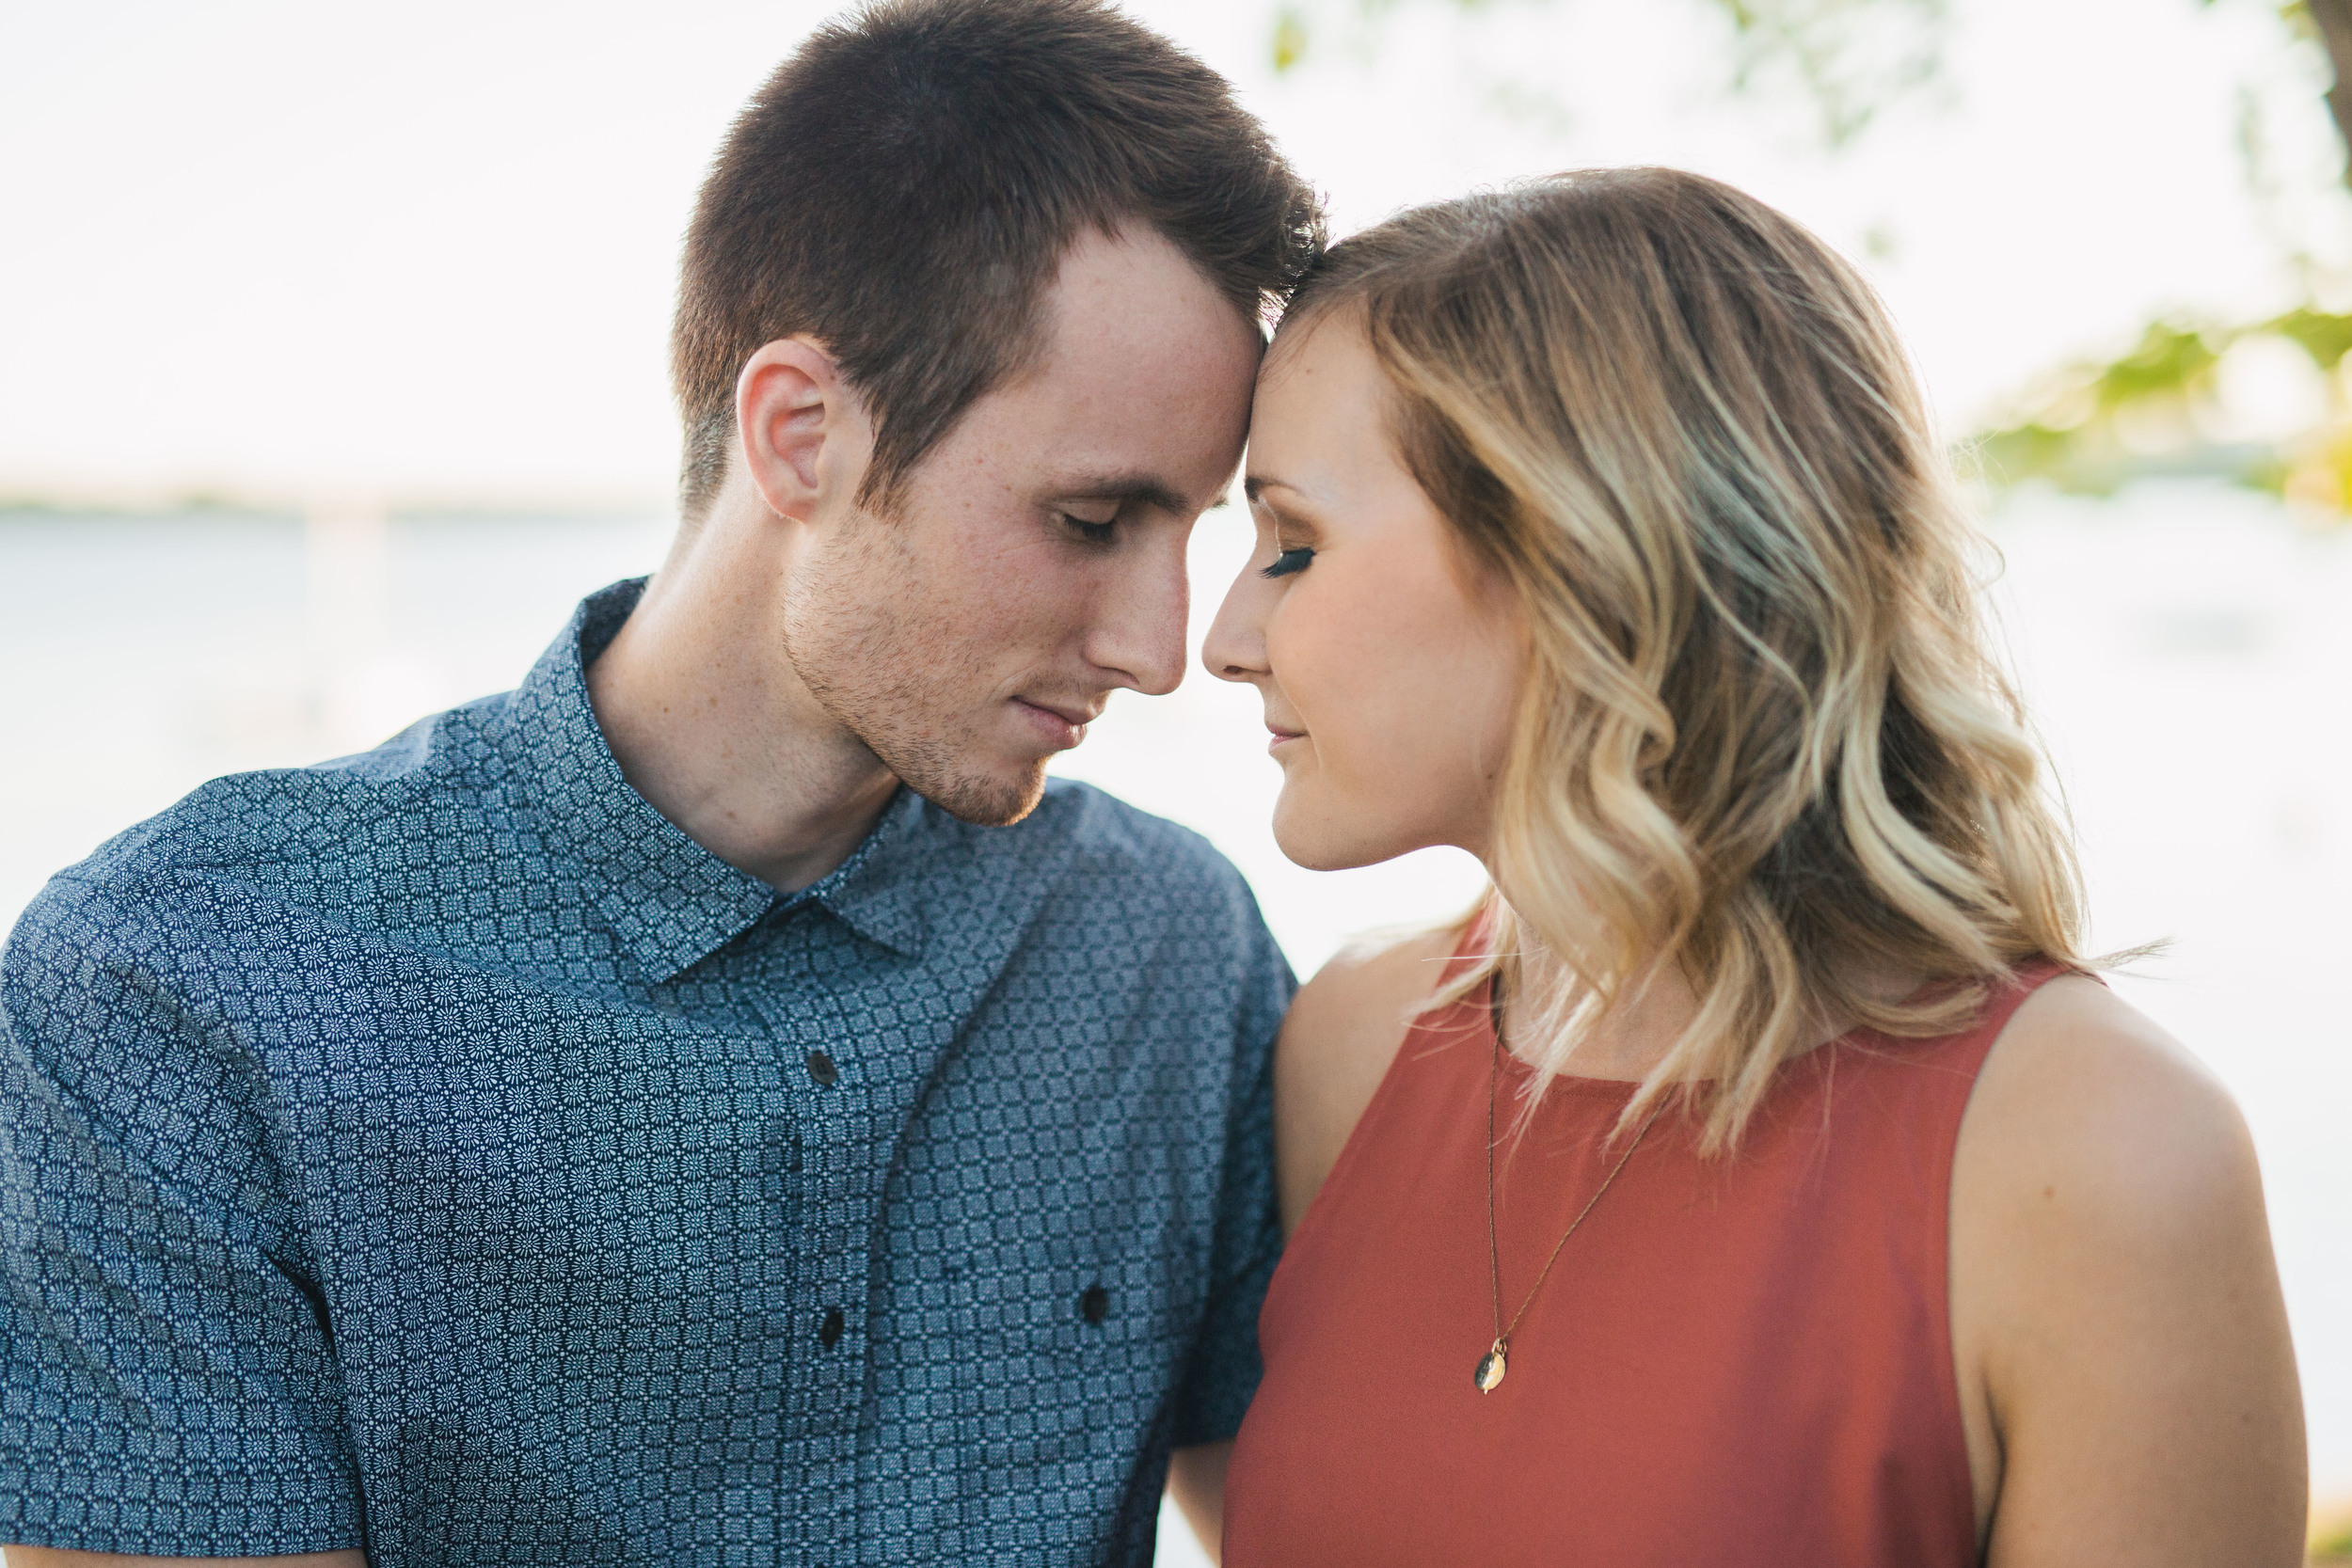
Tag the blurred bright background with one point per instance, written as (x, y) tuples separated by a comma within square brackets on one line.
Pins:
[(332, 373)]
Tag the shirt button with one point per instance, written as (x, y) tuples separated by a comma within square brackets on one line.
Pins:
[(821, 1069), (828, 1335), (1095, 1304)]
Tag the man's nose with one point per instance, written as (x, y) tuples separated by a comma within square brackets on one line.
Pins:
[(1140, 629)]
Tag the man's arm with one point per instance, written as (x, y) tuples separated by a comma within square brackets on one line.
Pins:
[(1225, 1369), (1343, 1029), (54, 1557), (1196, 1478), (157, 1288)]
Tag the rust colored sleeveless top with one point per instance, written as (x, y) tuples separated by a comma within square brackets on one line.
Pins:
[(1744, 1361)]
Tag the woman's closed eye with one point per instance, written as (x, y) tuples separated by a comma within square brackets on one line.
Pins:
[(1289, 560)]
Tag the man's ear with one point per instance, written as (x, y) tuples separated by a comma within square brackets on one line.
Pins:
[(805, 436)]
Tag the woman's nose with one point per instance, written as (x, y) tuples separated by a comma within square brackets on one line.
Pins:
[(1234, 650)]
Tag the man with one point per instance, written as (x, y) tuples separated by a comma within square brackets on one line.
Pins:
[(714, 1102)]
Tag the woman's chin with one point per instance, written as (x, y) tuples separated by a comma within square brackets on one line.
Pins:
[(1313, 835)]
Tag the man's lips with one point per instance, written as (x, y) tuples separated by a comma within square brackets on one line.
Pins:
[(1077, 718), (1060, 725)]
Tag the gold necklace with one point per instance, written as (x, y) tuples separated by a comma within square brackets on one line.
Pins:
[(1492, 1365)]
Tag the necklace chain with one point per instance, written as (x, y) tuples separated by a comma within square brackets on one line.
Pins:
[(1494, 1248)]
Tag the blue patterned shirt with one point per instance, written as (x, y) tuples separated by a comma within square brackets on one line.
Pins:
[(437, 1149)]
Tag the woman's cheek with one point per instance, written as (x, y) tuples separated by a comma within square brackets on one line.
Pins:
[(1310, 657)]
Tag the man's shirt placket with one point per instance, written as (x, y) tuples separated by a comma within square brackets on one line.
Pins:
[(840, 1123)]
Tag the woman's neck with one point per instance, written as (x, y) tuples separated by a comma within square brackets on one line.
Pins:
[(1628, 1041)]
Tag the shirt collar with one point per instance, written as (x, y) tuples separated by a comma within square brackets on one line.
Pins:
[(670, 901), (878, 891)]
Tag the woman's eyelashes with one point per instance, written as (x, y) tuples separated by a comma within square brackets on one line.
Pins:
[(1289, 560)]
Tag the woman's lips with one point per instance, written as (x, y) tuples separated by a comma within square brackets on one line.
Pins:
[(1282, 737)]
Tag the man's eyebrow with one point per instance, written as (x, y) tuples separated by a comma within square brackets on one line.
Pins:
[(1131, 489)]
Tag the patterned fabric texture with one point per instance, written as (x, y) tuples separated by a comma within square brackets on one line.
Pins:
[(437, 1149)]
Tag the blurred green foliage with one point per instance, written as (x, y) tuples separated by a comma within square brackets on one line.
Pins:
[(1290, 39), (2323, 337), (2087, 426), (2092, 426), (1849, 58)]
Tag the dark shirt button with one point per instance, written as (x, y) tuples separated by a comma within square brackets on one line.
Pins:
[(821, 1069), (1095, 1304), (831, 1332)]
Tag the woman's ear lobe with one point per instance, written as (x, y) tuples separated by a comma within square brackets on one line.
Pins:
[(798, 422)]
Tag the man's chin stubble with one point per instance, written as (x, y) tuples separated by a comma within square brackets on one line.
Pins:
[(885, 719), (983, 800), (937, 774)]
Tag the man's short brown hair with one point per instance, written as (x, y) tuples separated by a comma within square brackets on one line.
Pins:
[(905, 185)]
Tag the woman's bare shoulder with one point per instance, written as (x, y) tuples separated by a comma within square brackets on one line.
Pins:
[(1342, 1031), (2097, 1151), (2087, 1098), (2117, 1319)]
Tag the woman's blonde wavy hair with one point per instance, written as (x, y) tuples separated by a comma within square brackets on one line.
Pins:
[(1762, 739)]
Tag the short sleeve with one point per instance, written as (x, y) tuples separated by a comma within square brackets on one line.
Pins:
[(168, 1379), (1225, 1369)]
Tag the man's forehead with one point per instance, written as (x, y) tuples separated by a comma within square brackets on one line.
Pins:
[(1122, 305), (1051, 441), (1140, 394)]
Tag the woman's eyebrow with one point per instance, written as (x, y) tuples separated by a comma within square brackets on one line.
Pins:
[(1252, 486)]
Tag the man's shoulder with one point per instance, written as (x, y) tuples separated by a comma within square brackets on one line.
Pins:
[(323, 822)]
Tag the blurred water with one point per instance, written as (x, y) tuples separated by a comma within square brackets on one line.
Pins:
[(2188, 653)]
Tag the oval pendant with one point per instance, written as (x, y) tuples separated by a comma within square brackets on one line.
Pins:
[(1490, 1370)]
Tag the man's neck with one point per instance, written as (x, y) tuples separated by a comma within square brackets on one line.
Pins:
[(711, 725)]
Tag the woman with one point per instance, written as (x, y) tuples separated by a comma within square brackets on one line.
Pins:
[(1759, 1177)]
